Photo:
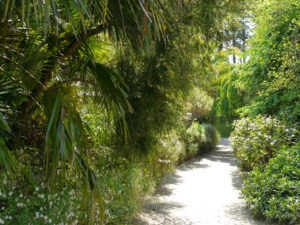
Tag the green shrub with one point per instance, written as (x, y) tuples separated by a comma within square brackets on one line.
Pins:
[(223, 125), (198, 106), (170, 149), (123, 192), (274, 191), (199, 138), (254, 141), (192, 137), (211, 138)]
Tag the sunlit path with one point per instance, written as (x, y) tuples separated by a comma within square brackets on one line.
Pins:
[(204, 190)]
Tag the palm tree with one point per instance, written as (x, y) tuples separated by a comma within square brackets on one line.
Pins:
[(45, 52)]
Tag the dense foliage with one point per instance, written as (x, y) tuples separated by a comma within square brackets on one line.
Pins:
[(271, 77), (98, 96), (255, 141), (200, 138), (266, 145), (273, 190)]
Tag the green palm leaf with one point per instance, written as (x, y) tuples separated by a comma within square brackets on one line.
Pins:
[(7, 160), (67, 145)]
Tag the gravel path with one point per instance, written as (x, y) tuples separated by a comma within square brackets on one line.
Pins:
[(204, 190)]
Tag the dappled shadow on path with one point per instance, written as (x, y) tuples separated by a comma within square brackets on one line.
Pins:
[(224, 156), (165, 220), (236, 180), (204, 190), (222, 153), (237, 213), (164, 188)]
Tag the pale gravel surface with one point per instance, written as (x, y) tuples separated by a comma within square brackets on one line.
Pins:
[(202, 191)]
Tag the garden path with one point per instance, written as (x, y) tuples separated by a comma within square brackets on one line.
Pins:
[(202, 191)]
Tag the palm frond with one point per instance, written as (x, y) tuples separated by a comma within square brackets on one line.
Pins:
[(111, 92), (66, 144), (7, 160)]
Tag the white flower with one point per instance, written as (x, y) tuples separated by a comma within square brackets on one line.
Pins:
[(10, 193), (45, 217), (41, 208), (41, 195), (50, 220), (37, 188), (20, 204), (21, 196), (1, 221), (50, 203)]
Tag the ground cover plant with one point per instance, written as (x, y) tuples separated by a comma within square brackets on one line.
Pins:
[(274, 190)]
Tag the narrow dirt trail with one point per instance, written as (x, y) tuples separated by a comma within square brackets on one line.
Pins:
[(202, 191)]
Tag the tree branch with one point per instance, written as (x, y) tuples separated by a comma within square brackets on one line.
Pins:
[(28, 106), (73, 46)]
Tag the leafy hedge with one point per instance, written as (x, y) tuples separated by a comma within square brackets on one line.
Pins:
[(255, 141), (274, 190), (199, 138)]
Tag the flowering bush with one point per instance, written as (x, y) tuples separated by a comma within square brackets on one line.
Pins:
[(254, 141), (274, 190), (35, 204)]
